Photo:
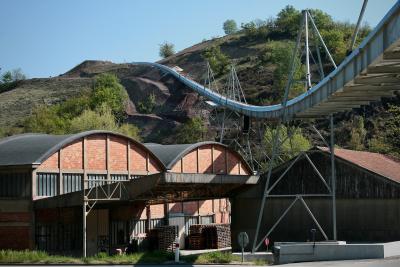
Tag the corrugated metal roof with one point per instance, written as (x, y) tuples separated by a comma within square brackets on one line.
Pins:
[(27, 149), (378, 163)]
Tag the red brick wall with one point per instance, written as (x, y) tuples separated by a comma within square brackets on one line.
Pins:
[(15, 237), (96, 152), (233, 163), (50, 163), (206, 207), (72, 157), (175, 207), (177, 167), (118, 157), (157, 211), (154, 166), (205, 159), (219, 160), (190, 162), (137, 159), (209, 158), (190, 207)]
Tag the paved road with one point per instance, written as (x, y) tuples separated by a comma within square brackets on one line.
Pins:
[(388, 262)]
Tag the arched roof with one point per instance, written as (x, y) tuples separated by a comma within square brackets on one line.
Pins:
[(34, 148), (171, 154)]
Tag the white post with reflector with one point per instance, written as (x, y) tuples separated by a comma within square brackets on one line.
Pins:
[(177, 249)]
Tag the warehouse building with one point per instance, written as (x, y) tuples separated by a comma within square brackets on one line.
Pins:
[(368, 199), (51, 186)]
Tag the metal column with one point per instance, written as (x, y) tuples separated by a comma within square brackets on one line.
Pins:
[(333, 179), (84, 229)]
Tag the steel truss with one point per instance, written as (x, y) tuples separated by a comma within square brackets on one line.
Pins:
[(97, 191), (277, 143)]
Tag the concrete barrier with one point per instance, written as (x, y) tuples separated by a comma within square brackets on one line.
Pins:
[(328, 251)]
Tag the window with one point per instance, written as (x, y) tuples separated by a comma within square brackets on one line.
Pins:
[(96, 180), (14, 184), (71, 182), (119, 177), (190, 220), (207, 219), (46, 184), (59, 237)]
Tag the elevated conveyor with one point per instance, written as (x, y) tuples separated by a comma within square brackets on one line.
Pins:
[(370, 72)]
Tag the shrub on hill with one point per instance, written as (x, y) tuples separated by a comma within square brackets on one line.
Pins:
[(102, 109), (230, 26), (166, 50), (192, 131), (108, 90), (218, 61), (147, 106), (11, 79)]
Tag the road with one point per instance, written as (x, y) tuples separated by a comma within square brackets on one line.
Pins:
[(389, 262)]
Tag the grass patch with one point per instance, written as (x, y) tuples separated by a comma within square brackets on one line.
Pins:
[(27, 256), (212, 257), (154, 257), (40, 257)]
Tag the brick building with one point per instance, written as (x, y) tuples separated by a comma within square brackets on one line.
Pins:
[(53, 185)]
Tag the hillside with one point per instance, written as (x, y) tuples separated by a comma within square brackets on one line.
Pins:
[(259, 54)]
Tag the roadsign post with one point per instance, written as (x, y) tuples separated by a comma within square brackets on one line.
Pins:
[(243, 240), (266, 242)]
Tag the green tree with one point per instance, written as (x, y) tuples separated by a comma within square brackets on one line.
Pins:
[(218, 61), (100, 119), (12, 76), (393, 127), (322, 20), (46, 120), (166, 50), (279, 53), (108, 90), (288, 21), (18, 75), (130, 130), (335, 42), (230, 26), (6, 77), (147, 106), (293, 140), (378, 144), (250, 30), (192, 131), (357, 134)]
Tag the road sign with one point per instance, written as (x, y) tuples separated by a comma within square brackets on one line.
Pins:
[(243, 239)]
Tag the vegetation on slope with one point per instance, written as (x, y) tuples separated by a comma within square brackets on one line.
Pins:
[(101, 109), (260, 51)]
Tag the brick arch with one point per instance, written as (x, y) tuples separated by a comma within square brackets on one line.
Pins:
[(101, 151), (211, 158)]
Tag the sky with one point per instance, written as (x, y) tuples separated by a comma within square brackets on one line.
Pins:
[(48, 37)]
